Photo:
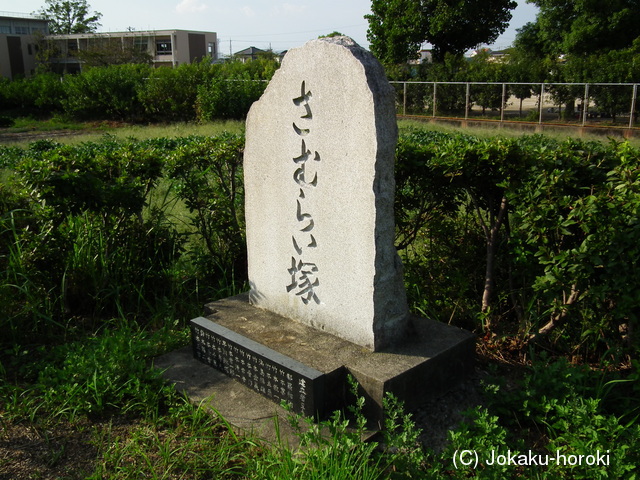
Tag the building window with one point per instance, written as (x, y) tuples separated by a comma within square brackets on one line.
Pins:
[(211, 49), (22, 30), (140, 44), (163, 47), (5, 29)]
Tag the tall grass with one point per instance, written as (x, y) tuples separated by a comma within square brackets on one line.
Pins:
[(177, 130)]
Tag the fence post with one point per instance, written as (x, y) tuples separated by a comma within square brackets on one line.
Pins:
[(435, 99), (404, 99), (466, 103), (504, 100), (540, 103), (633, 104), (585, 104)]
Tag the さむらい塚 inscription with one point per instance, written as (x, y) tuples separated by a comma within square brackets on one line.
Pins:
[(304, 275)]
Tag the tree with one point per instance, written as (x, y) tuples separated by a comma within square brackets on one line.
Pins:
[(484, 68), (332, 34), (397, 28), (582, 27), (70, 16), (584, 41)]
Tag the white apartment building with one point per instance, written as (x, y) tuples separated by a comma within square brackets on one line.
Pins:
[(19, 35), (164, 47)]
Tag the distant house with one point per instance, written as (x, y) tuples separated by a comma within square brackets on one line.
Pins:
[(251, 53), (19, 34), (500, 54), (426, 56), (492, 55), (163, 47)]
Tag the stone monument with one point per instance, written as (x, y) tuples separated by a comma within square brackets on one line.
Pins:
[(319, 187), (327, 296)]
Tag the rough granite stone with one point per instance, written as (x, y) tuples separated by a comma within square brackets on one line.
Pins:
[(319, 187)]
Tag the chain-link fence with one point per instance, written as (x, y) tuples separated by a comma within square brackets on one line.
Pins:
[(577, 104)]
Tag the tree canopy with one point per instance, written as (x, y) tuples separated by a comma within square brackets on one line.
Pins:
[(397, 28), (70, 16), (582, 27)]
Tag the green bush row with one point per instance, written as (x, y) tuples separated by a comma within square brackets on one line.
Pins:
[(132, 92), (529, 238), (116, 229)]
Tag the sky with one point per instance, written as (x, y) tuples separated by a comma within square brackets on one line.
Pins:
[(265, 24)]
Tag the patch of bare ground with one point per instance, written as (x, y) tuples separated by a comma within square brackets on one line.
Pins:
[(62, 450), (8, 137), (32, 136)]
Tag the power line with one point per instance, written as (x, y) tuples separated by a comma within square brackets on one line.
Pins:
[(302, 32)]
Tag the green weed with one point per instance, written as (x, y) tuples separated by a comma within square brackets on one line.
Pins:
[(189, 442)]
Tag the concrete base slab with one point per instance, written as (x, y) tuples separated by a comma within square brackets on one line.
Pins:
[(432, 360)]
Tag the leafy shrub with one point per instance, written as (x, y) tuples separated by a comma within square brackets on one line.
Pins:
[(140, 93), (208, 175), (47, 91), (84, 234), (574, 225), (39, 94), (76, 241), (228, 97), (528, 237), (542, 234), (171, 94), (106, 93)]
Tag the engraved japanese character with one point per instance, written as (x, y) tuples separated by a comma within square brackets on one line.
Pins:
[(303, 100), (303, 281)]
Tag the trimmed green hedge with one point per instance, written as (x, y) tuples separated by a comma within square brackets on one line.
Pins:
[(528, 238), (140, 93)]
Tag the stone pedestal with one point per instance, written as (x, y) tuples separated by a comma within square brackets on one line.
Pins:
[(280, 353)]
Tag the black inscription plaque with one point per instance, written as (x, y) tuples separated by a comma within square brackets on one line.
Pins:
[(276, 376)]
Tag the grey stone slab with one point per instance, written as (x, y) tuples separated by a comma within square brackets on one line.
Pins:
[(327, 297), (244, 409), (319, 194)]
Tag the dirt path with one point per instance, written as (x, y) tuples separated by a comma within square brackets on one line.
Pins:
[(31, 136)]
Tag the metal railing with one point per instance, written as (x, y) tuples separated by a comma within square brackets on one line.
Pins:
[(596, 102)]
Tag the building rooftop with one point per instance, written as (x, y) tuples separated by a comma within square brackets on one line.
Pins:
[(250, 51), (28, 16), (132, 33)]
